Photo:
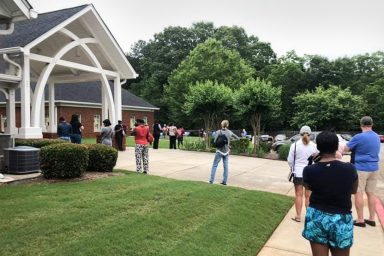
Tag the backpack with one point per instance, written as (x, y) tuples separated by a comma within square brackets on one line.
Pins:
[(221, 141)]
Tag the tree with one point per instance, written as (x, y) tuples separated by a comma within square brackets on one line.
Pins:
[(255, 99), (207, 101), (374, 99), (208, 61), (291, 77), (332, 108)]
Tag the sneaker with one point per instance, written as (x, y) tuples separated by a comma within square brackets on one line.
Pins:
[(210, 182), (223, 183), (144, 172)]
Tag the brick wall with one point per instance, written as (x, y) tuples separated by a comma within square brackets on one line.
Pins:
[(87, 117)]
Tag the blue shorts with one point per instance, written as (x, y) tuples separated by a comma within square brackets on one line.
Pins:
[(334, 230)]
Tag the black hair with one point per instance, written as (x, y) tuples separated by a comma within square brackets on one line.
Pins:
[(74, 118), (106, 122), (327, 142)]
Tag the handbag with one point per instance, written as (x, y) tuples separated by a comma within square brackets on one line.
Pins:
[(291, 173)]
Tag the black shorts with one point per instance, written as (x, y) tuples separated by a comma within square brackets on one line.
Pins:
[(298, 181)]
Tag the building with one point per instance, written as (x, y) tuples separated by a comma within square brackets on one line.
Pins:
[(60, 63)]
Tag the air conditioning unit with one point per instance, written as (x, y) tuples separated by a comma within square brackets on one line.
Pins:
[(21, 160)]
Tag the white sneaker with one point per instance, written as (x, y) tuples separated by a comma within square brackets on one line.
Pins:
[(1, 176)]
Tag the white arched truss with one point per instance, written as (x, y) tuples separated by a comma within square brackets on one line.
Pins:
[(38, 95)]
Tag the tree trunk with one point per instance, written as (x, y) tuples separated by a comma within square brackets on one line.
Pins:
[(255, 123)]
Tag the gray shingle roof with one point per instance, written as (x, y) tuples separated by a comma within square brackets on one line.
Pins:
[(28, 30), (89, 92)]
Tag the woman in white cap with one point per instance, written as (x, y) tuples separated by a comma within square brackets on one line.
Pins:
[(298, 156)]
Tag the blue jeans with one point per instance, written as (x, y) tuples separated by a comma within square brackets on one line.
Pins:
[(216, 161)]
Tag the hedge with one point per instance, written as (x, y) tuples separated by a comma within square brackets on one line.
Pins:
[(38, 143), (240, 146), (102, 158), (63, 160), (284, 151)]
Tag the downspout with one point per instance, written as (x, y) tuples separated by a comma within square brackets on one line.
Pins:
[(18, 67), (123, 82), (9, 30)]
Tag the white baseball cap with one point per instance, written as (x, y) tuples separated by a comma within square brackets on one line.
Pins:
[(305, 129)]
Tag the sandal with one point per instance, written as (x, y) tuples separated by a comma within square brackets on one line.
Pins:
[(370, 222), (359, 224), (297, 219)]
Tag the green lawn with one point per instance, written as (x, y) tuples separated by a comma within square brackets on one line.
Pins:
[(130, 141), (135, 214)]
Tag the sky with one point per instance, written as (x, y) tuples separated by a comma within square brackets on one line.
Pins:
[(331, 28)]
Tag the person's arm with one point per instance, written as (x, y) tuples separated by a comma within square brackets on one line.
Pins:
[(291, 155), (306, 181), (234, 136), (355, 184)]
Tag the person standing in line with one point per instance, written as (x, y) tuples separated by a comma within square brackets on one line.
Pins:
[(141, 132), (222, 152), (366, 148), (106, 133), (180, 136), (64, 130), (77, 128), (328, 221), (172, 132), (156, 134), (299, 153), (119, 134), (165, 130)]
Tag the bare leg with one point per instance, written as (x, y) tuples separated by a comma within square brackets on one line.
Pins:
[(298, 200), (359, 204), (339, 252), (371, 205), (319, 249)]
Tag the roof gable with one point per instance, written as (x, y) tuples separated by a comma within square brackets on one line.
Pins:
[(26, 31)]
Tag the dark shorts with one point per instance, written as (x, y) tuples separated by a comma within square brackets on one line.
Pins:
[(298, 181), (334, 230)]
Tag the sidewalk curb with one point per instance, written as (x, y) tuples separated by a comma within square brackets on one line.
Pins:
[(380, 211)]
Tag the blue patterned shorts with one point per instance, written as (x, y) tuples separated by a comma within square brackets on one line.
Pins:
[(335, 230)]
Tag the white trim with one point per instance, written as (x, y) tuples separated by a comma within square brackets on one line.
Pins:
[(22, 5), (113, 40), (12, 50), (10, 79), (70, 64), (57, 28)]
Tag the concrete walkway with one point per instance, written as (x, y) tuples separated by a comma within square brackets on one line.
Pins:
[(254, 174)]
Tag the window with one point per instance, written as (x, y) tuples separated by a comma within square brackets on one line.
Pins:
[(145, 119), (46, 120), (132, 122), (79, 117), (96, 123), (3, 123)]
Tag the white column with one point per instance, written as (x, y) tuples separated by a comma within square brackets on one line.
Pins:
[(52, 119), (117, 98), (26, 131), (104, 104), (25, 90), (42, 115), (11, 110)]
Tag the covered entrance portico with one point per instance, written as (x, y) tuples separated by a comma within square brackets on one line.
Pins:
[(70, 46)]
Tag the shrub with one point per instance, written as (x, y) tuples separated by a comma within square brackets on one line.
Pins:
[(240, 146), (102, 158), (284, 151), (265, 146), (38, 143), (195, 145), (260, 152), (63, 160)]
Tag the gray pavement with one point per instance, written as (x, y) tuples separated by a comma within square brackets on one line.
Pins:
[(253, 174)]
